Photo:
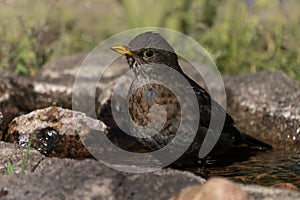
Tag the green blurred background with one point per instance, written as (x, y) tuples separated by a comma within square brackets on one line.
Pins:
[(241, 35)]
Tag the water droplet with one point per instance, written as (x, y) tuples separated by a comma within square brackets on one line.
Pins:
[(47, 138), (51, 133)]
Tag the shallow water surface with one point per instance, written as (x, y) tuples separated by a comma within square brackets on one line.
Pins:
[(263, 168)]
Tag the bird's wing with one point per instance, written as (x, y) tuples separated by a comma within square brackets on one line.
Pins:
[(205, 106)]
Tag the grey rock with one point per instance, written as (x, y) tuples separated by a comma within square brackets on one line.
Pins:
[(24, 94), (265, 193), (54, 131), (20, 95), (8, 108), (214, 188), (64, 72), (60, 71), (65, 133), (266, 105), (14, 154), (89, 179), (52, 86), (221, 188)]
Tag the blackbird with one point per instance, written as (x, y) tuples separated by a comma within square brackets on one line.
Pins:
[(154, 109)]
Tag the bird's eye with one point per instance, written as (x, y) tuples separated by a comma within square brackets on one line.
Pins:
[(148, 53)]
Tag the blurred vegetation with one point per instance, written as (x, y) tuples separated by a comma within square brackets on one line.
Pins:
[(241, 35)]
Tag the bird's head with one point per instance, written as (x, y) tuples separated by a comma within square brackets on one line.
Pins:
[(148, 48)]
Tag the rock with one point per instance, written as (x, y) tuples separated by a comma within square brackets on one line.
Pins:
[(55, 72), (266, 193), (15, 155), (286, 186), (8, 109), (221, 188), (24, 94), (213, 189), (266, 105), (60, 71), (89, 179), (21, 95), (52, 86), (54, 131), (64, 133)]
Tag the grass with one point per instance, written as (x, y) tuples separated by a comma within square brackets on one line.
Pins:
[(243, 36), (255, 39), (10, 169)]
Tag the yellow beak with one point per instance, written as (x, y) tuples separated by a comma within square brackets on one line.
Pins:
[(122, 50)]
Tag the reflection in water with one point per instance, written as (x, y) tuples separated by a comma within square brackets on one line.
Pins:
[(264, 168)]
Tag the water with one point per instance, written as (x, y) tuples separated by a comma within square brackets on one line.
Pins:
[(264, 168)]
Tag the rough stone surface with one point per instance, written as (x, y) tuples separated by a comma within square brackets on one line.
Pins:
[(20, 95), (286, 186), (265, 193), (15, 155), (213, 189), (52, 86), (54, 131), (61, 70), (266, 105), (221, 188), (89, 179), (9, 93)]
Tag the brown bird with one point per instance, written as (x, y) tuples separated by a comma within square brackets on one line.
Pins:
[(155, 110)]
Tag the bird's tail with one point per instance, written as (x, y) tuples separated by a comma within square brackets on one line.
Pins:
[(251, 141)]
